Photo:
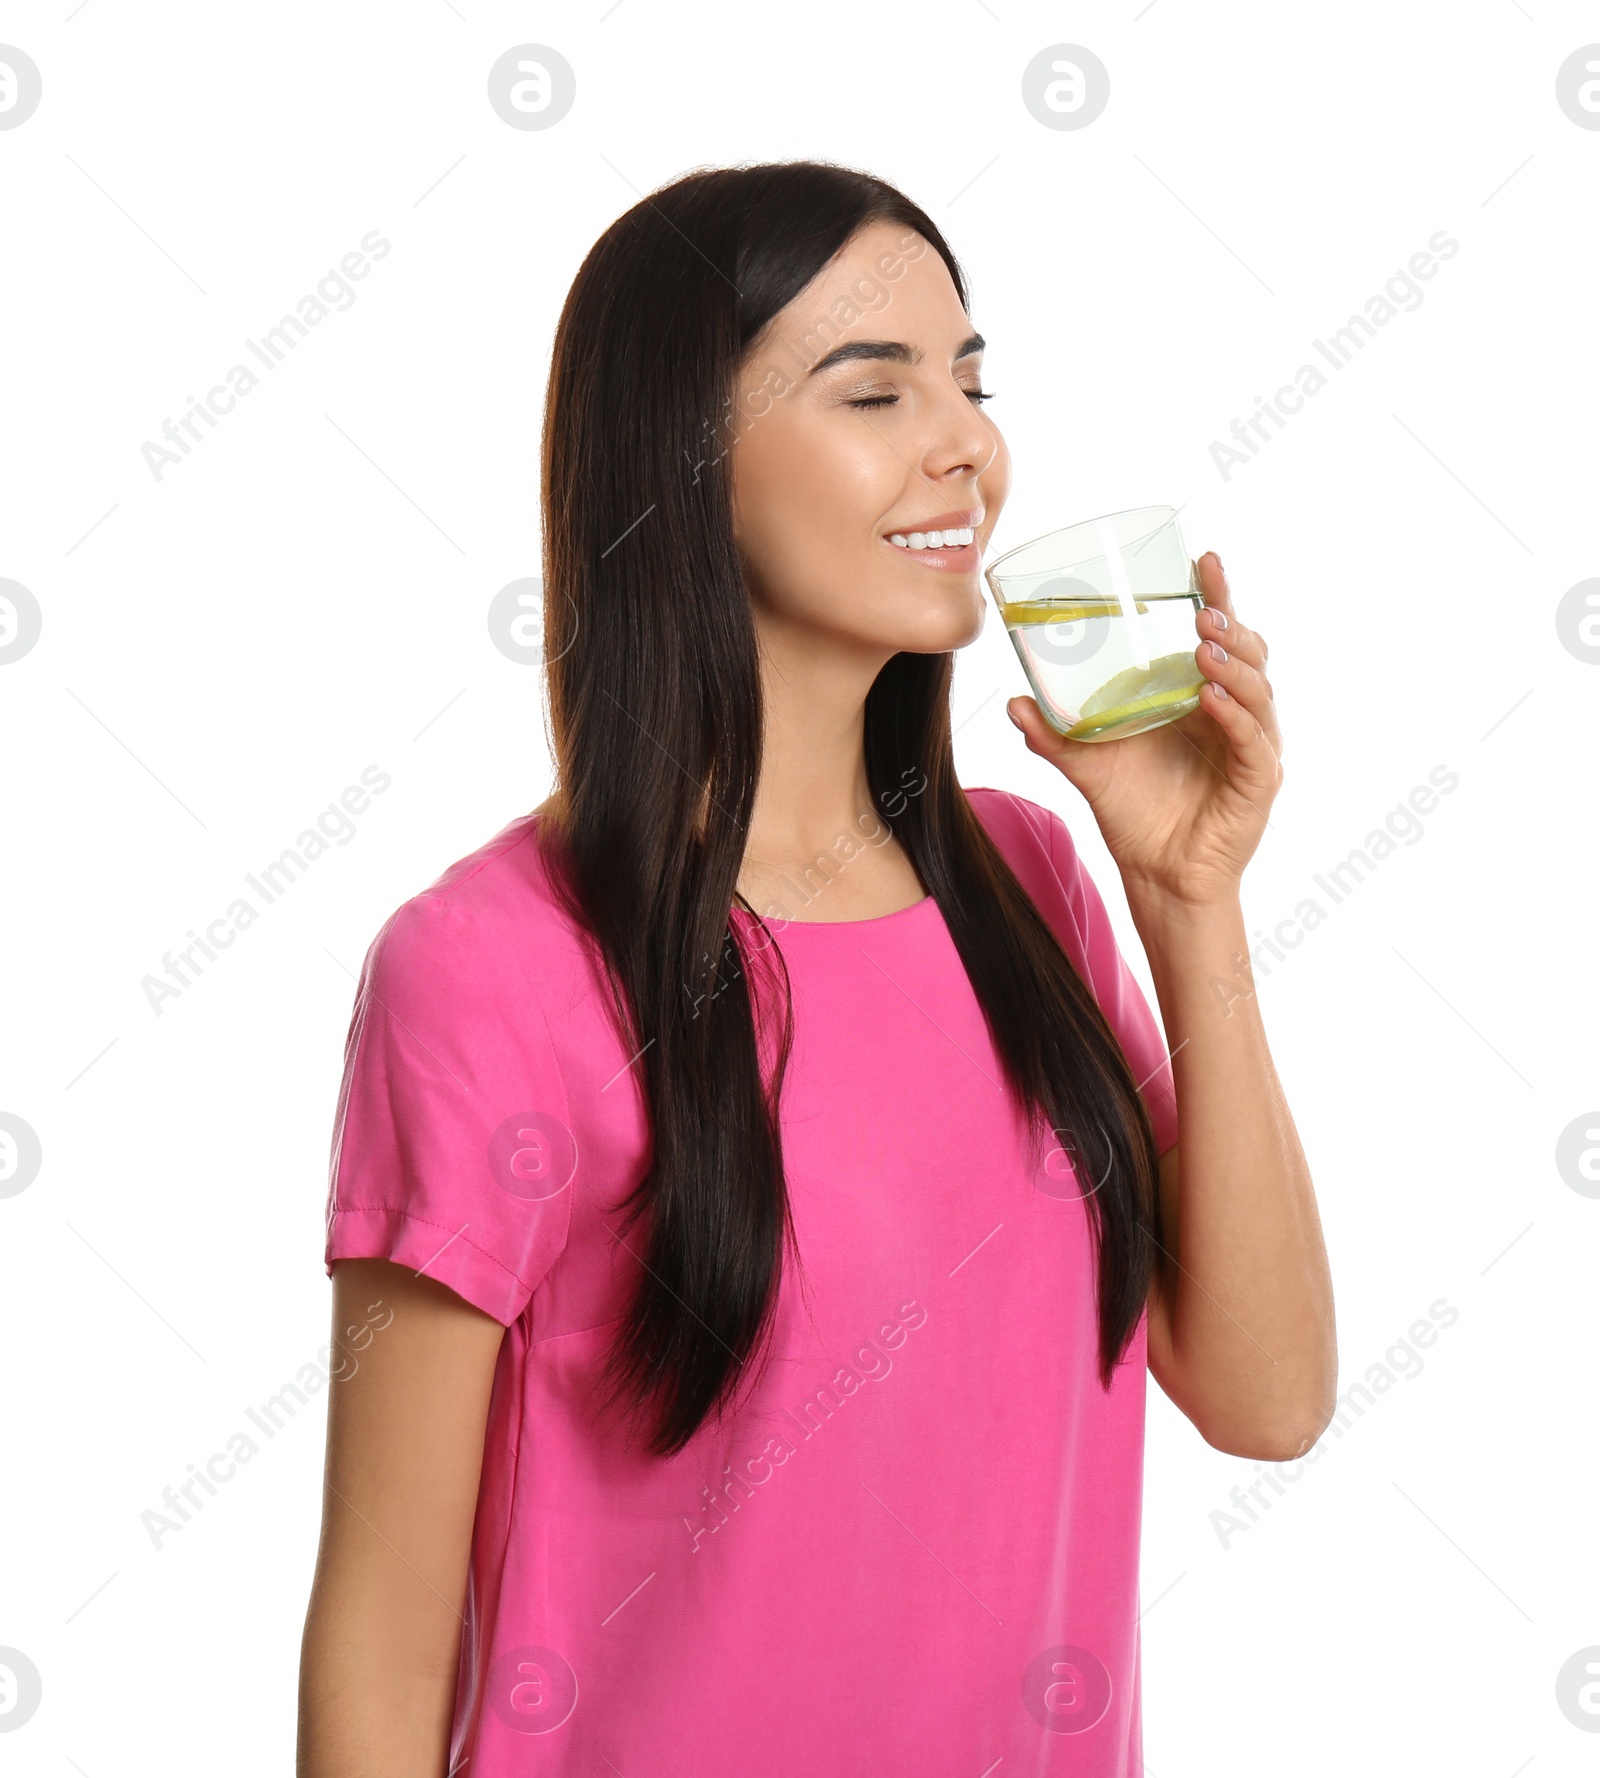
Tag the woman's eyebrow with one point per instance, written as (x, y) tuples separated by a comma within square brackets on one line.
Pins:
[(894, 351)]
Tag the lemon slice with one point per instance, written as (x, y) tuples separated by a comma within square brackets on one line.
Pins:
[(1138, 692)]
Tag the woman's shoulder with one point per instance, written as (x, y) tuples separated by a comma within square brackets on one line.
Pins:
[(491, 920), (1022, 828), (1038, 846)]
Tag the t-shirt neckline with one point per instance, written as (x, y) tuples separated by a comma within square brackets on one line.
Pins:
[(789, 925), (870, 920)]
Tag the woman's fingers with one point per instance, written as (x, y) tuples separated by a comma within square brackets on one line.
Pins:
[(1219, 620), (1252, 745), (1246, 686)]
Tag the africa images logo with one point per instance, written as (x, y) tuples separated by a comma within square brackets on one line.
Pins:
[(532, 1689), (1402, 293)]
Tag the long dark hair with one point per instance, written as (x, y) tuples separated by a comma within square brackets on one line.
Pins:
[(656, 725)]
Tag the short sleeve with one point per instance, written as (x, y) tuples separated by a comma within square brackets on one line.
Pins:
[(452, 1149), (1119, 995)]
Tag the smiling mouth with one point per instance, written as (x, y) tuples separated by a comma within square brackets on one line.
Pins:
[(946, 540), (952, 537)]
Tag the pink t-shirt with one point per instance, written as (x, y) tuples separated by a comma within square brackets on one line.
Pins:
[(914, 1549)]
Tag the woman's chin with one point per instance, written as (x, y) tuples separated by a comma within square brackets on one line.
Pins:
[(951, 619)]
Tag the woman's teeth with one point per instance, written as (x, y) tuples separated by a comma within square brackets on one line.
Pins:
[(955, 539)]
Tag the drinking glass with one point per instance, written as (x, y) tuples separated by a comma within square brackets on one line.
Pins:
[(1101, 615)]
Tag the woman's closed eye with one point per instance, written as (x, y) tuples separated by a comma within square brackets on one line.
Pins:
[(978, 395)]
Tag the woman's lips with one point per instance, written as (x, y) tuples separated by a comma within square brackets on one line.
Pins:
[(950, 561)]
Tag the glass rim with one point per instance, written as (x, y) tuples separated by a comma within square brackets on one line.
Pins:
[(1171, 513)]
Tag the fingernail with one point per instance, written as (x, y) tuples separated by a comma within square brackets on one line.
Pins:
[(1220, 690), (1218, 652), (1014, 717), (1218, 617)]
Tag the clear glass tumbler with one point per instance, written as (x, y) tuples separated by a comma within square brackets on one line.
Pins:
[(1101, 615)]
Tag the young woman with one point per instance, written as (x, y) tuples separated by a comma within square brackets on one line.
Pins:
[(771, 1164)]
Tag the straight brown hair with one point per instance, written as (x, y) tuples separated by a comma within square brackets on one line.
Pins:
[(654, 699)]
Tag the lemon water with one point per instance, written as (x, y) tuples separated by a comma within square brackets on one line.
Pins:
[(1102, 669)]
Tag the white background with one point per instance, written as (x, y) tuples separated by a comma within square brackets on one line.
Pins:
[(225, 649)]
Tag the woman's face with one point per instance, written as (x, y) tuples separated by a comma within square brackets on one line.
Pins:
[(856, 421)]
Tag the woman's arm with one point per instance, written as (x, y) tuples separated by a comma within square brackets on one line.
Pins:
[(406, 1415), (1241, 1327), (1241, 1324)]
